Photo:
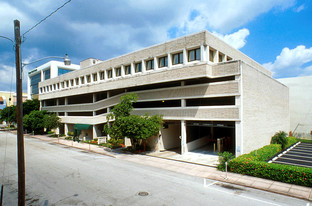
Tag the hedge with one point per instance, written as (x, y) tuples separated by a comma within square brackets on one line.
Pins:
[(254, 164)]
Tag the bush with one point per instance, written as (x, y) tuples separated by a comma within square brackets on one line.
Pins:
[(70, 133), (224, 157), (254, 164), (69, 138), (279, 138), (50, 132), (291, 141)]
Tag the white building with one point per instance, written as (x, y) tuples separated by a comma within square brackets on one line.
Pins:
[(46, 71), (207, 92), (300, 104)]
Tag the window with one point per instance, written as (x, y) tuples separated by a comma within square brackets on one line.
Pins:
[(102, 75), (58, 86), (138, 67), (67, 83), (150, 64), (221, 57), (77, 81), (88, 78), (228, 58), (211, 55), (118, 72), (71, 82), (94, 76), (128, 69), (34, 80), (109, 73), (82, 80), (50, 87), (47, 88), (54, 86), (41, 90), (178, 58), (63, 71), (62, 84), (194, 55), (47, 74), (163, 61)]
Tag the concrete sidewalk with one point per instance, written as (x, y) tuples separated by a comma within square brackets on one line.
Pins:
[(193, 169)]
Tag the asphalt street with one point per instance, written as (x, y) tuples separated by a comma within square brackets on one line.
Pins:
[(61, 175)]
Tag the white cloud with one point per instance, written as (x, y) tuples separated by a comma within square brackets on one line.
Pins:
[(291, 62), (300, 8), (224, 15), (236, 39)]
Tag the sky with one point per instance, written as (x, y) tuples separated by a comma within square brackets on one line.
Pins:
[(275, 33)]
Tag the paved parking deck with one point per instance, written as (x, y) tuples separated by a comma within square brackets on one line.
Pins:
[(300, 155)]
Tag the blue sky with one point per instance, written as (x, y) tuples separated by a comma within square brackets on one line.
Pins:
[(275, 33)]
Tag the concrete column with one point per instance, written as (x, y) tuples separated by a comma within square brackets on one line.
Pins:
[(105, 74), (183, 103), (94, 129), (155, 63), (114, 72), (132, 69), (42, 76), (208, 53), (169, 61), (66, 128), (184, 56), (66, 100), (143, 66), (203, 53), (94, 97), (123, 73), (57, 102), (183, 138), (216, 57)]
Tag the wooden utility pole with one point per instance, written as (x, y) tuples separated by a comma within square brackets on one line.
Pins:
[(19, 116)]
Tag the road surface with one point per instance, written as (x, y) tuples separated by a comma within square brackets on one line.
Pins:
[(61, 175)]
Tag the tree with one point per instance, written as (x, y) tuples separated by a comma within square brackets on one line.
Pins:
[(30, 105), (8, 114), (36, 121), (51, 121), (137, 128)]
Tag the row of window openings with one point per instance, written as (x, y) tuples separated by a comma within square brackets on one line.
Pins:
[(177, 58)]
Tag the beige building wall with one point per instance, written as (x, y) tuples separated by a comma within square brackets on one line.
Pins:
[(265, 108)]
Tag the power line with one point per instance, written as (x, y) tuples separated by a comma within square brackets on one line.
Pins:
[(46, 18)]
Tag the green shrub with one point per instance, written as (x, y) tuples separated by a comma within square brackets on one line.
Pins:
[(284, 173), (279, 138), (305, 140), (70, 133), (69, 138), (254, 164), (50, 132), (291, 141), (224, 157)]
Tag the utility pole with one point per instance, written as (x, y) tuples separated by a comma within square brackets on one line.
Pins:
[(19, 116)]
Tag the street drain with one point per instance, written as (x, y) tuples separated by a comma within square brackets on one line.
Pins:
[(143, 193)]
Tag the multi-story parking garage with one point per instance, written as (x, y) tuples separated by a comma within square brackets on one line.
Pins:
[(205, 89)]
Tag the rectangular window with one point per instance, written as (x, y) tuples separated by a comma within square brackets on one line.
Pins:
[(163, 61), (47, 74), (88, 77), (138, 67), (67, 83), (102, 75), (221, 57), (34, 80), (211, 55), (94, 77), (118, 72), (82, 80), (128, 69), (109, 73), (194, 55), (41, 90), (178, 58), (50, 87), (62, 84), (58, 86), (71, 82), (150, 64), (53, 86), (77, 81)]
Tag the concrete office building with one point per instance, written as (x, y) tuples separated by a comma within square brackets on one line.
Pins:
[(46, 71), (300, 105), (205, 89)]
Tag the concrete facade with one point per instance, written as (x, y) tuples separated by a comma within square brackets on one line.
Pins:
[(300, 106), (206, 91), (46, 71)]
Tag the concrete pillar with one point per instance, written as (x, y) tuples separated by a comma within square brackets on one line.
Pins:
[(94, 97), (203, 52), (216, 57), (183, 138), (114, 72), (94, 131), (143, 66), (208, 53), (66, 100), (155, 63), (169, 61), (132, 69), (66, 128), (123, 73), (57, 102), (184, 56)]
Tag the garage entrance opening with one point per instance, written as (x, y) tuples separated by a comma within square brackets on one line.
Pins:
[(210, 136)]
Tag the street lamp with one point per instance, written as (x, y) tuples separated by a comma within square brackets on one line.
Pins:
[(66, 60)]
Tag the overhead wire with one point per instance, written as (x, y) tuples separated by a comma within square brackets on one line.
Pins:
[(45, 18)]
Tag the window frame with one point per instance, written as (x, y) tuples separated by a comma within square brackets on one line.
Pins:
[(165, 61), (138, 67), (127, 69), (149, 64), (118, 72), (194, 55), (109, 73), (179, 56)]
